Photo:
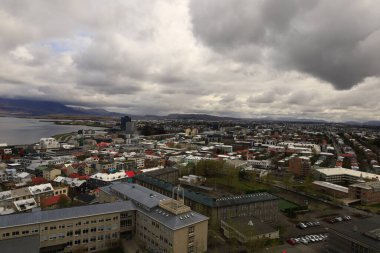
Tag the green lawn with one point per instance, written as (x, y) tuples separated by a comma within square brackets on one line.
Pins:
[(235, 185), (284, 204)]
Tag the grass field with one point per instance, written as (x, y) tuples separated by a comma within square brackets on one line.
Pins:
[(235, 185), (284, 204)]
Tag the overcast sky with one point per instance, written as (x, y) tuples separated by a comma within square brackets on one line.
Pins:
[(247, 58)]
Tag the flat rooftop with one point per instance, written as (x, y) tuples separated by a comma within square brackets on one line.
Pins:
[(331, 186), (363, 231), (343, 171), (39, 216), (208, 200)]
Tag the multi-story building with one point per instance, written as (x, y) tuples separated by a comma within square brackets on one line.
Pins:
[(50, 173), (263, 205), (368, 193), (300, 166), (169, 174), (344, 176), (160, 223), (335, 190), (49, 143)]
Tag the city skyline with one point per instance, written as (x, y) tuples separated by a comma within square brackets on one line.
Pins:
[(306, 59)]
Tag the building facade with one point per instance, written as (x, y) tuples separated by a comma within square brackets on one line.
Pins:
[(128, 210), (368, 193), (263, 206)]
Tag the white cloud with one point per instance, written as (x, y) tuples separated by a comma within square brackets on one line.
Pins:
[(142, 56)]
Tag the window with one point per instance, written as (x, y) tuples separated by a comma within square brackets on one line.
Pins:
[(69, 233), (77, 232), (25, 232), (85, 231), (93, 239), (191, 239), (100, 237), (76, 242), (78, 224), (53, 227), (191, 229), (69, 244), (85, 240), (15, 233)]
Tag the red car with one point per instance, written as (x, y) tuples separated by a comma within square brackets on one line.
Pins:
[(291, 241)]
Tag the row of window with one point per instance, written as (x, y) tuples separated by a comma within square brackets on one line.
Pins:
[(79, 223), (79, 241), (24, 232)]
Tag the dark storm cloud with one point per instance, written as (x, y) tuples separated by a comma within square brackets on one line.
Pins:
[(335, 41)]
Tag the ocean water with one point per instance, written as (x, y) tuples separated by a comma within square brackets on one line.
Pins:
[(14, 131)]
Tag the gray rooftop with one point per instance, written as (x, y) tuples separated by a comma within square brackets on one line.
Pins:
[(208, 200), (64, 213), (138, 193), (151, 199), (173, 221), (362, 231)]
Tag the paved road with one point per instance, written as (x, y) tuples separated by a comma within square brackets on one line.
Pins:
[(319, 247)]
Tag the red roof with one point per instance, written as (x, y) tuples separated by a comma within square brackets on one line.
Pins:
[(39, 180), (50, 201), (103, 144), (130, 173), (74, 175)]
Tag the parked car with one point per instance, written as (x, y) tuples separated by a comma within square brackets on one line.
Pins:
[(291, 241)]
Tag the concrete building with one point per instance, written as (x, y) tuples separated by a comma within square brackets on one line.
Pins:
[(264, 164), (344, 176), (51, 173), (358, 236), (368, 193), (49, 143), (263, 206), (161, 223), (123, 122), (334, 190), (300, 166)]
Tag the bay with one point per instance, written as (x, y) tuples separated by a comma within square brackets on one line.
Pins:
[(16, 131)]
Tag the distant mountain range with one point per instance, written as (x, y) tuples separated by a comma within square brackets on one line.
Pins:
[(25, 108), (35, 108)]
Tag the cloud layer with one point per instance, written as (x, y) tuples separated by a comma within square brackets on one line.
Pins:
[(244, 58)]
